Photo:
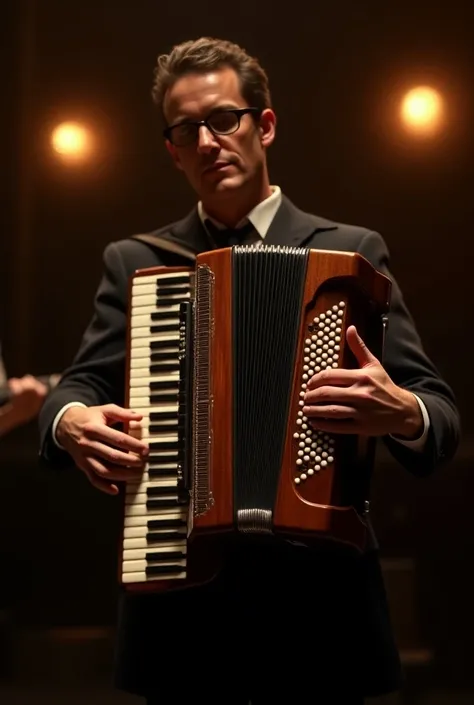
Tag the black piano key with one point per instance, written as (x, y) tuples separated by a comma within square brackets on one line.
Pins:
[(165, 445), (164, 503), (161, 398), (161, 491), (164, 384), (171, 366), (172, 290), (156, 473), (165, 328), (161, 303), (157, 536), (162, 415), (163, 428), (163, 315), (164, 569), (159, 459), (168, 355), (165, 523), (165, 557), (160, 344), (172, 281)]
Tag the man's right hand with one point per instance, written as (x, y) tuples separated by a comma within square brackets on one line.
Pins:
[(104, 454)]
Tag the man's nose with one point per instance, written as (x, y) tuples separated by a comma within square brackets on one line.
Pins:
[(206, 140)]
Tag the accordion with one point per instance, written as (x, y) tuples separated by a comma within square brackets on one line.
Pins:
[(218, 358)]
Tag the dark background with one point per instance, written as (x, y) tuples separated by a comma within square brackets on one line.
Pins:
[(337, 72)]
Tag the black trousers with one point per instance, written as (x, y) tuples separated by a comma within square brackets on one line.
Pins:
[(274, 627)]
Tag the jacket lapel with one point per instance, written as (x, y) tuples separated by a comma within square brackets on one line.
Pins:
[(186, 238), (293, 227)]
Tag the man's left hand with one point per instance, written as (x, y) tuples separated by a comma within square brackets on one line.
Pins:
[(361, 401)]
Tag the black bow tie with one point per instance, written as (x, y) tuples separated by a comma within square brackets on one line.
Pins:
[(229, 236)]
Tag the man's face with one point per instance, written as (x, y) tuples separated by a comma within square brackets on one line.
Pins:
[(216, 165)]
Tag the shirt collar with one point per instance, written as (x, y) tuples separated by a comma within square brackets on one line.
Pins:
[(261, 216)]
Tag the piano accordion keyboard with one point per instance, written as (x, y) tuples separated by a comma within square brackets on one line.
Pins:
[(157, 505)]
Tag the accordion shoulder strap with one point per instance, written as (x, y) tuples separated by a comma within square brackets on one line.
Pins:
[(163, 243)]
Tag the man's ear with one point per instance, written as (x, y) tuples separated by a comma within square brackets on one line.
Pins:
[(174, 154), (267, 127)]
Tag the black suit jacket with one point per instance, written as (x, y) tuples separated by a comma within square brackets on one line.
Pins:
[(364, 649)]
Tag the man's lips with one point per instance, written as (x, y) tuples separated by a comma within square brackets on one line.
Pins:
[(217, 166)]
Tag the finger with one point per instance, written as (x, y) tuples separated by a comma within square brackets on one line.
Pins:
[(89, 468), (119, 439), (342, 427), (329, 412), (113, 456), (118, 413), (15, 386), (329, 395), (360, 350), (111, 472), (332, 377)]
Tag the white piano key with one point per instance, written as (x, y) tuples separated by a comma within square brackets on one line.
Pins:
[(141, 357), (159, 402), (158, 426), (145, 332), (141, 396), (134, 544), (144, 429), (146, 437), (169, 337), (144, 300), (138, 312), (139, 554), (141, 566), (142, 321), (136, 519), (149, 297), (141, 498), (162, 277), (141, 510), (141, 532), (164, 438), (155, 440), (140, 282), (151, 288), (142, 577), (142, 377), (147, 309), (135, 488), (139, 400), (165, 407), (146, 477)]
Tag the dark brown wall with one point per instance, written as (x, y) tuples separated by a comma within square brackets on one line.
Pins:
[(336, 70)]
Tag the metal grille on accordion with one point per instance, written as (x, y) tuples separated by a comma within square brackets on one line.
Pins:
[(218, 359)]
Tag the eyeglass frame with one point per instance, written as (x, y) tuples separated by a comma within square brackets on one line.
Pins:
[(239, 112)]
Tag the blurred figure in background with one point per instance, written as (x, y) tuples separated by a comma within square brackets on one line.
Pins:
[(21, 398)]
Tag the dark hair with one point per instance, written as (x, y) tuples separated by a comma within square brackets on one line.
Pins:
[(208, 54)]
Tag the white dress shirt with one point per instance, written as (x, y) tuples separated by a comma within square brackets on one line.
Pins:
[(261, 218)]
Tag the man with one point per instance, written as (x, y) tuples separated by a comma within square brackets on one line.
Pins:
[(20, 400), (280, 623)]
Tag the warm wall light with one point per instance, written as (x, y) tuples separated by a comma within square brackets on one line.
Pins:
[(422, 110), (71, 140)]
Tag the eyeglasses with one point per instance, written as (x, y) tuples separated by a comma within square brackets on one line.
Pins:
[(221, 122)]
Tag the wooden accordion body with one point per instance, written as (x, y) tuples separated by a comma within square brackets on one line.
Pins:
[(217, 361)]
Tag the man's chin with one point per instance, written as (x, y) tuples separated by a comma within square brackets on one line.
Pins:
[(226, 183)]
